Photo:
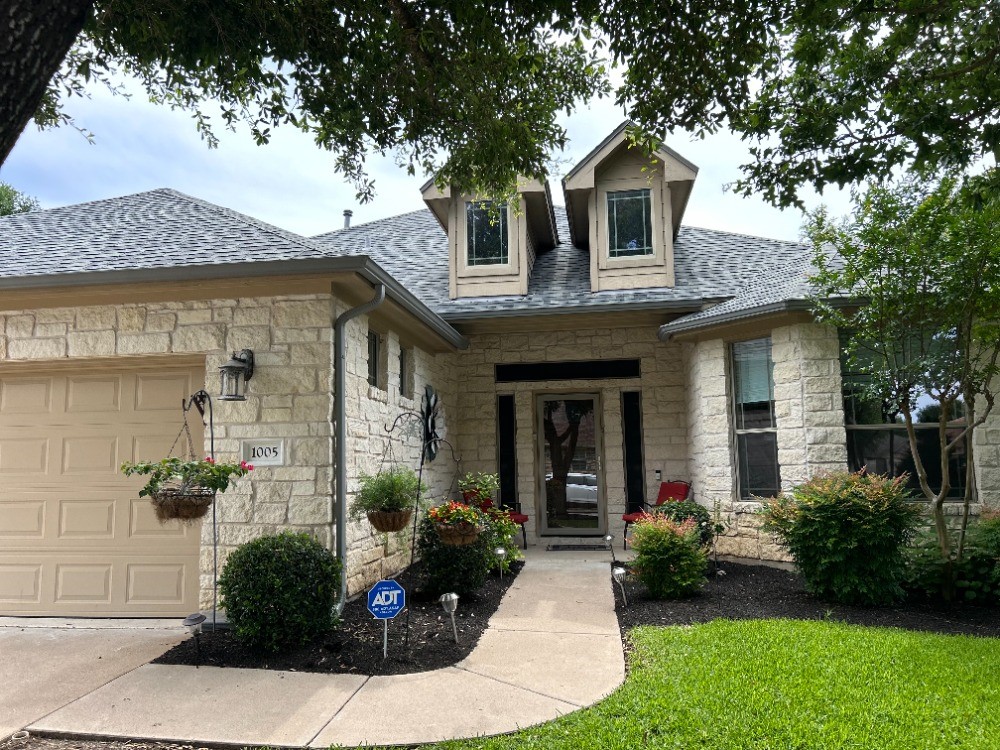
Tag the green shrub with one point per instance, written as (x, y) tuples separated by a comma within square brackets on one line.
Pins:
[(464, 569), (670, 559), (847, 533), (390, 491), (279, 591), (975, 579), (682, 510)]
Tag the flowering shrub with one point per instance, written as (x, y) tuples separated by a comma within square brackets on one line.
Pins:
[(847, 533), (454, 514), (207, 473), (682, 510), (670, 559)]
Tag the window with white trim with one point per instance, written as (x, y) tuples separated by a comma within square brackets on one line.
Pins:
[(757, 470), (487, 237), (630, 224)]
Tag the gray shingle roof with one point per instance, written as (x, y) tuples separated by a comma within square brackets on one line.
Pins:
[(770, 289), (156, 229), (709, 265)]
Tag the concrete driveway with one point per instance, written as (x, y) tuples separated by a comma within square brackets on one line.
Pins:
[(44, 668)]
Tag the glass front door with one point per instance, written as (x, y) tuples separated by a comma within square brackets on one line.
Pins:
[(570, 466)]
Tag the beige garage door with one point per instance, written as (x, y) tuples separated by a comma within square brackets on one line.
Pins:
[(75, 539)]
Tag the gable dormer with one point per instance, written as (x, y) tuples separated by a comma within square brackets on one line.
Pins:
[(492, 249), (625, 207)]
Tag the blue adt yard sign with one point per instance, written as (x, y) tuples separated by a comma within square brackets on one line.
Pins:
[(386, 600)]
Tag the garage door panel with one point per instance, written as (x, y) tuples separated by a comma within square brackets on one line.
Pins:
[(93, 393), (26, 395), (143, 524), (155, 583), (75, 538), (20, 584), (24, 456), (87, 519), (83, 582), (162, 391), (22, 520)]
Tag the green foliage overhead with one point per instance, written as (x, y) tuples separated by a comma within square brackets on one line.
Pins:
[(826, 93), (480, 83), (279, 591), (847, 534), (13, 201)]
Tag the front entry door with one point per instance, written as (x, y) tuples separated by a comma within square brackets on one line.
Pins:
[(570, 480)]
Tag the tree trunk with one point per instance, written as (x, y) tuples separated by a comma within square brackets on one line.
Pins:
[(36, 36)]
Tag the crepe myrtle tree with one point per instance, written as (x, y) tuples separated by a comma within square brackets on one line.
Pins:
[(913, 277), (831, 92)]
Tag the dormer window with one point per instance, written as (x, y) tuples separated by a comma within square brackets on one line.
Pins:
[(630, 227), (486, 233)]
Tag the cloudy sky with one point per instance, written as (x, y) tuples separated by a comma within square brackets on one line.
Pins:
[(291, 183)]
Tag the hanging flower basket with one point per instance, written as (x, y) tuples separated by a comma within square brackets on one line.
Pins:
[(389, 520), (181, 503), (458, 535)]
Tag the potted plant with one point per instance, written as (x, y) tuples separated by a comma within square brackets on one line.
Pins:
[(457, 524), (387, 499), (180, 489), (478, 488)]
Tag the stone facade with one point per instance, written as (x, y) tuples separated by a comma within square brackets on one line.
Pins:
[(289, 397), (662, 384)]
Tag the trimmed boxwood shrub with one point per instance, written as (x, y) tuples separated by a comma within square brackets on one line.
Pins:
[(670, 559), (279, 591), (463, 570), (847, 533)]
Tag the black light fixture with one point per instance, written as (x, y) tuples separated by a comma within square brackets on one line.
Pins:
[(234, 376)]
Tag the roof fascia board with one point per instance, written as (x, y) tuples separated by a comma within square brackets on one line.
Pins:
[(361, 265), (689, 306), (675, 328)]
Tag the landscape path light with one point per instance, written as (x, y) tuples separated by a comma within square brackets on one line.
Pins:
[(193, 624), (449, 602), (609, 541), (501, 553), (618, 573)]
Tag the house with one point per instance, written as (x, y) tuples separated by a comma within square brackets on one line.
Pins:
[(584, 352)]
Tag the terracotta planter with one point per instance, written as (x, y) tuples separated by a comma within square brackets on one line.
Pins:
[(184, 504), (389, 520), (458, 535)]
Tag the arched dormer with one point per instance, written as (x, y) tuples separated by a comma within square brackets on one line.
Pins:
[(626, 208), (491, 253)]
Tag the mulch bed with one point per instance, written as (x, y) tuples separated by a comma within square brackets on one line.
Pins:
[(755, 592), (355, 646)]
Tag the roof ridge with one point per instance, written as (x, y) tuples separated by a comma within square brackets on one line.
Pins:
[(96, 201)]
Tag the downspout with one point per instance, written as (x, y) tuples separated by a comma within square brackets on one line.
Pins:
[(338, 494)]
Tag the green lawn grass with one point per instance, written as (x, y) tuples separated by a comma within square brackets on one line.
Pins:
[(788, 685)]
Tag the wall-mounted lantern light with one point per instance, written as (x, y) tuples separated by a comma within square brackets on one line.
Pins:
[(234, 376)]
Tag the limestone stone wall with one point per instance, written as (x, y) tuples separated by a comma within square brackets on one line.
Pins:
[(289, 395), (662, 383), (371, 414), (986, 456)]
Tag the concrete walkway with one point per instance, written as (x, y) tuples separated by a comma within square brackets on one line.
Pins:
[(551, 648)]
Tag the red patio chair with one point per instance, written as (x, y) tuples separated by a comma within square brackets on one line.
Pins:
[(515, 515), (673, 491)]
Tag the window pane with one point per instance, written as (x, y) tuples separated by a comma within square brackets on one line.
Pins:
[(630, 229), (888, 452), (753, 384), (487, 234), (373, 354), (758, 464)]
